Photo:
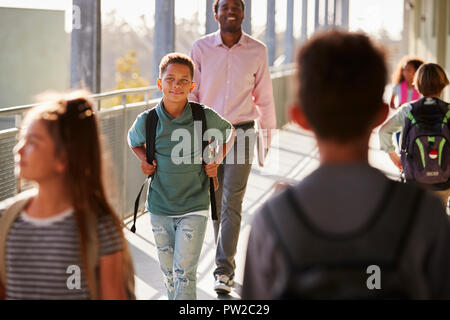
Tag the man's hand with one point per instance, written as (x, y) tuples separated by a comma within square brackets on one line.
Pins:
[(396, 160), (147, 168)]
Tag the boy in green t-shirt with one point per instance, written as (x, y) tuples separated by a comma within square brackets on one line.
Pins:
[(178, 196)]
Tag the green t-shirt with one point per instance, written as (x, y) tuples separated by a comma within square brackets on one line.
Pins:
[(180, 184)]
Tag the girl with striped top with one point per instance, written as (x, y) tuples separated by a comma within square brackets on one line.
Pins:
[(47, 248)]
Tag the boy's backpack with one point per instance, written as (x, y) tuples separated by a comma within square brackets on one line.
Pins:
[(425, 151), (16, 205), (321, 265), (198, 114)]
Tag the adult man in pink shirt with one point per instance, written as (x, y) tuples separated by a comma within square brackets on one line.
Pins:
[(232, 77)]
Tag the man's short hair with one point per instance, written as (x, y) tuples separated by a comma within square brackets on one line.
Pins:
[(430, 79), (341, 80), (176, 57), (216, 6)]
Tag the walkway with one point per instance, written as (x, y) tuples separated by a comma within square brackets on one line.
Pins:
[(298, 156)]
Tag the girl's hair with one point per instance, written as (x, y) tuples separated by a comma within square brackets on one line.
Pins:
[(72, 124), (430, 79), (397, 76)]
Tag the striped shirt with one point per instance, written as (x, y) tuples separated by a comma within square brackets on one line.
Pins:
[(43, 257)]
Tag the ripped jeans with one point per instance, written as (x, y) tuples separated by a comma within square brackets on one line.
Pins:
[(179, 242)]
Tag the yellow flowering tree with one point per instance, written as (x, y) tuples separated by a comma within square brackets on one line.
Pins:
[(127, 76)]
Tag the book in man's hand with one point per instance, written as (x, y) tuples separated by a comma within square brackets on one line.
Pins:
[(261, 147)]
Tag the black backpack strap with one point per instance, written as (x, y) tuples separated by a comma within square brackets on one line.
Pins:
[(269, 219), (150, 138), (392, 200), (381, 207), (198, 114), (400, 197), (406, 128), (413, 212)]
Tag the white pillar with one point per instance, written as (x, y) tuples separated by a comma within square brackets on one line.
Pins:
[(270, 31), (345, 13), (211, 23), (164, 33), (289, 35), (247, 24), (316, 16), (304, 33), (342, 13), (334, 12)]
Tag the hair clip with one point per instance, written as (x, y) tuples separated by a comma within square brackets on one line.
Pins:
[(85, 111), (49, 116), (86, 114), (83, 106)]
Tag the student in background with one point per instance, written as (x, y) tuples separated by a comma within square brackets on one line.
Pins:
[(404, 90), (426, 139)]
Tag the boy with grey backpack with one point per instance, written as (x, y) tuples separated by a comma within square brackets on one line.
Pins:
[(346, 231)]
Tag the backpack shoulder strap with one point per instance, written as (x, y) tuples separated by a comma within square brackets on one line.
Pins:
[(150, 140), (445, 109), (270, 220), (198, 114), (14, 207), (415, 195), (396, 197), (150, 136), (447, 114), (93, 257), (381, 207), (391, 201)]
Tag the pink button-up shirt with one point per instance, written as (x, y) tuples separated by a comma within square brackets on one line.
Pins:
[(235, 82)]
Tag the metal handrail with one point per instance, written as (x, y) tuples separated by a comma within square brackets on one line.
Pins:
[(121, 92), (96, 97), (285, 68), (120, 115), (290, 67)]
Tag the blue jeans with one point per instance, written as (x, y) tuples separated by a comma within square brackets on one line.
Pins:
[(179, 242)]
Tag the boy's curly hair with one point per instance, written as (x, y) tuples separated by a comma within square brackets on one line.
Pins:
[(176, 57), (341, 81)]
